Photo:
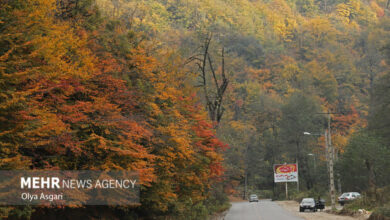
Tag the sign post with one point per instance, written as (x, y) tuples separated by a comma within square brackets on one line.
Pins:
[(286, 191)]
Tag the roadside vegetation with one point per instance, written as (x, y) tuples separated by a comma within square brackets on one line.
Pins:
[(377, 203)]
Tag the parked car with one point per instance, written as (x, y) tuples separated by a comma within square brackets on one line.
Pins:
[(320, 204), (253, 198), (308, 203), (348, 196)]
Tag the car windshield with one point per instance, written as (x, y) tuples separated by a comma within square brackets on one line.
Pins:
[(307, 200), (345, 195), (253, 196)]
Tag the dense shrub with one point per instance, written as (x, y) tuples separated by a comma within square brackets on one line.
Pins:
[(381, 213)]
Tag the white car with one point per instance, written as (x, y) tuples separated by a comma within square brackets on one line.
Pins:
[(348, 196), (253, 198)]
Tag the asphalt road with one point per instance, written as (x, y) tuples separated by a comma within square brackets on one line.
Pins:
[(262, 210)]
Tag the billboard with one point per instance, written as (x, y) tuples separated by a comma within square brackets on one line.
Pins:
[(285, 173)]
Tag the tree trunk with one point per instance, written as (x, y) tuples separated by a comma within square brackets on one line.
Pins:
[(371, 174)]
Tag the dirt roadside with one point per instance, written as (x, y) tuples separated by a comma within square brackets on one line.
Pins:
[(235, 199), (293, 207)]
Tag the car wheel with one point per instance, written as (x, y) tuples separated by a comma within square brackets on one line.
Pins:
[(301, 210)]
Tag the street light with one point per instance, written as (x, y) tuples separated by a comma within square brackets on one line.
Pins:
[(330, 153), (315, 134)]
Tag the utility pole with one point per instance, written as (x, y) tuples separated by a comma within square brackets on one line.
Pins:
[(315, 167), (326, 150), (298, 175), (245, 187), (246, 173), (331, 173), (330, 157), (329, 149)]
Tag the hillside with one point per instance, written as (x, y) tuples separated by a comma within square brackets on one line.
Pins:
[(200, 97)]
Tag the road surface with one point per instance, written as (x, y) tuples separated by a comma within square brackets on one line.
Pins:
[(292, 207), (282, 210), (262, 210)]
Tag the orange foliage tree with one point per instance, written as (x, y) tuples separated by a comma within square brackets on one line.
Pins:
[(74, 98)]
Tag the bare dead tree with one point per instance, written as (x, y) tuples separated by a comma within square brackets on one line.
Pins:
[(213, 93), (116, 4)]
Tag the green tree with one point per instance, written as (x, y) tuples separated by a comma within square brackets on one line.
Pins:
[(300, 114), (365, 163)]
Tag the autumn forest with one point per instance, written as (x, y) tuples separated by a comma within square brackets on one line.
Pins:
[(201, 98)]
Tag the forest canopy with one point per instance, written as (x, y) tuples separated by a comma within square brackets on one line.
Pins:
[(200, 97)]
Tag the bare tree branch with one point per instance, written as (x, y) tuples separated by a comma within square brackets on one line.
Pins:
[(213, 94)]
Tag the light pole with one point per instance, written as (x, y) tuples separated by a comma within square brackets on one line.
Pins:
[(310, 154), (331, 172), (314, 160), (329, 157), (246, 172)]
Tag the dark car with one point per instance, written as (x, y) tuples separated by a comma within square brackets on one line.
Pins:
[(308, 203), (320, 204), (253, 198)]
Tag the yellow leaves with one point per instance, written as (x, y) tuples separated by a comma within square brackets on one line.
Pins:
[(286, 29), (179, 138), (339, 142), (316, 69), (40, 10), (281, 7), (165, 91), (65, 53), (320, 30), (343, 10), (155, 109), (290, 71), (281, 18), (15, 162), (150, 15), (240, 126), (324, 80), (51, 45), (353, 10)]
